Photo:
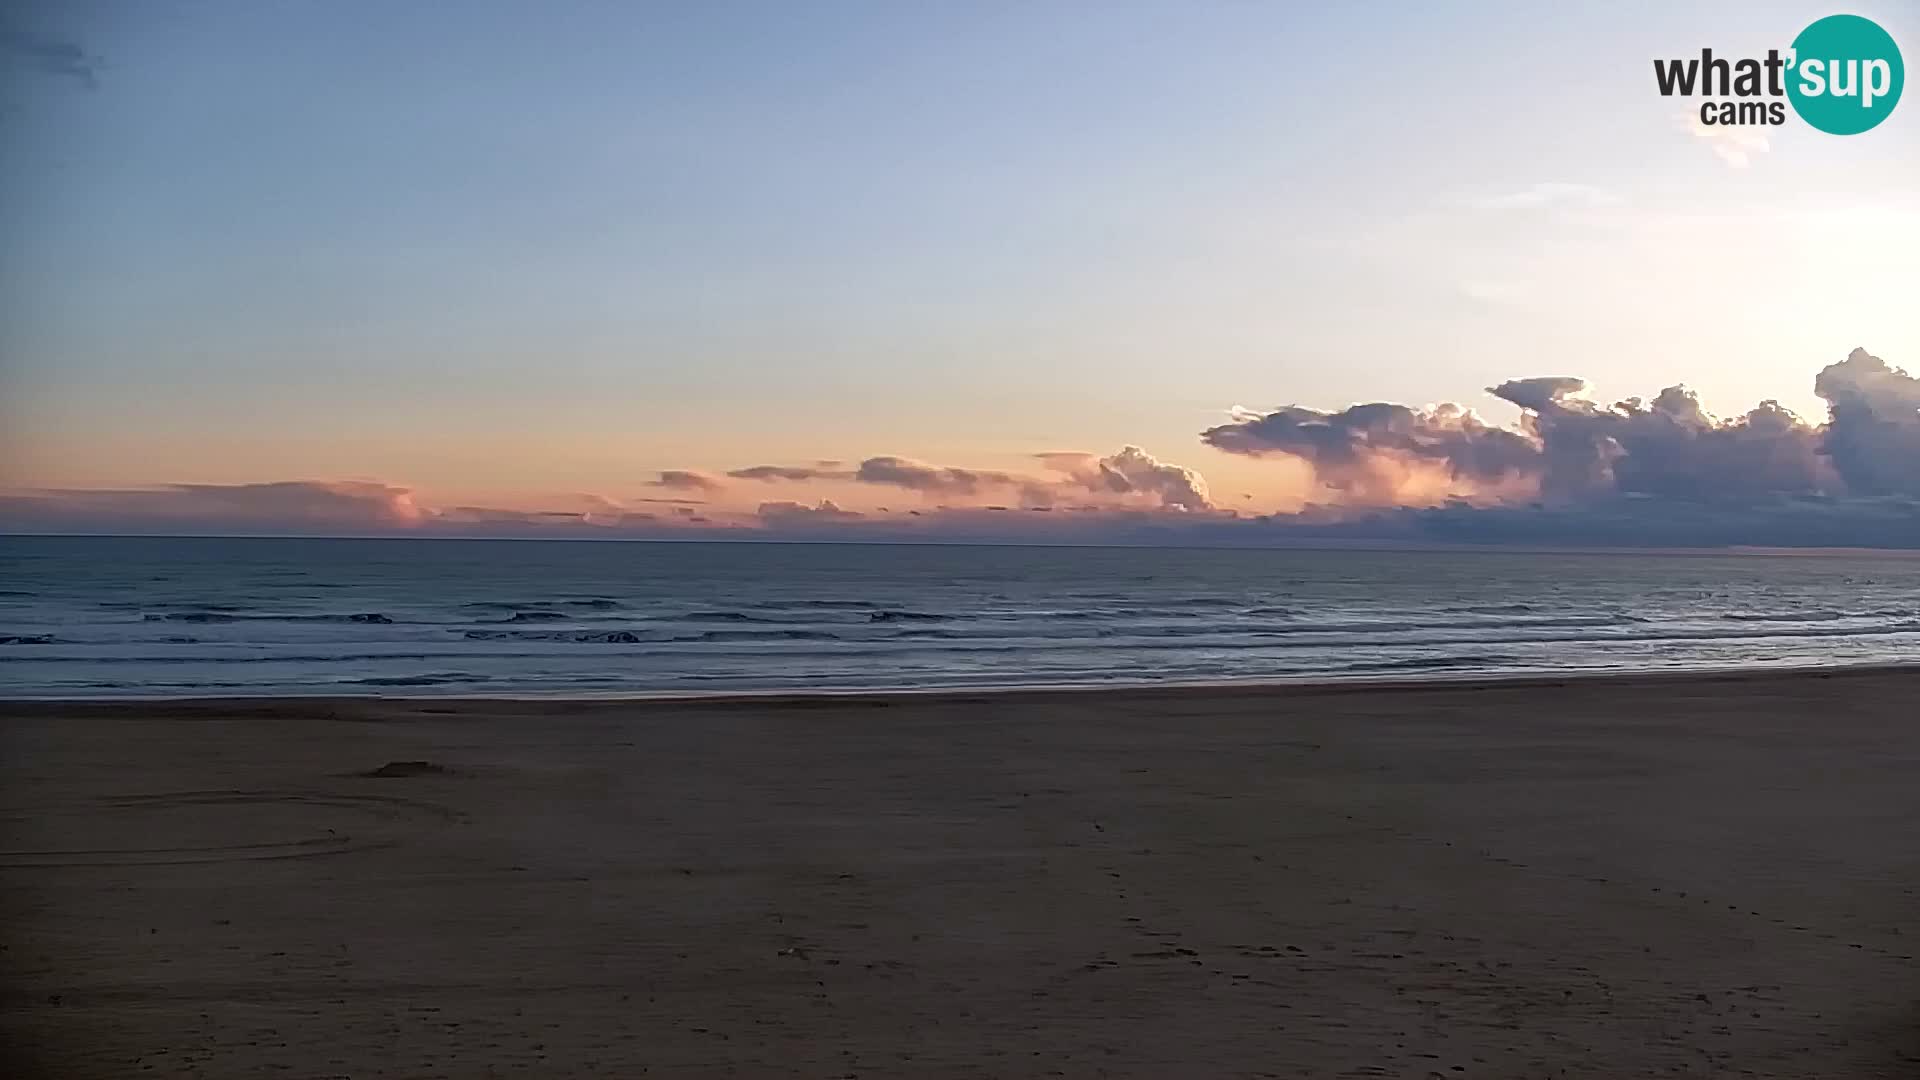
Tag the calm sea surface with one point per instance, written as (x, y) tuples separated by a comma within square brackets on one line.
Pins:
[(122, 616)]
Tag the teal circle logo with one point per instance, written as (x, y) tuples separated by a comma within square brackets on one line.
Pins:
[(1846, 74)]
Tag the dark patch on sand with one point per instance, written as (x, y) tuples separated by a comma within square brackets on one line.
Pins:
[(397, 769)]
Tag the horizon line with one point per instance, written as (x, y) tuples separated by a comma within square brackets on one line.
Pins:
[(1762, 550)]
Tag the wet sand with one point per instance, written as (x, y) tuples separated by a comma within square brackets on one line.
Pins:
[(1706, 875)]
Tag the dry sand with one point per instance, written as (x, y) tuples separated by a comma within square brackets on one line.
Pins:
[(1714, 875)]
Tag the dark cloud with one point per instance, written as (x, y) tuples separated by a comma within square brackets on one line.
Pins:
[(888, 471), (1669, 447), (939, 480), (685, 480), (1367, 450), (794, 473), (1569, 450), (1539, 392), (1873, 434), (49, 55)]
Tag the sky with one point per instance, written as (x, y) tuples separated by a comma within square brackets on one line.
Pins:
[(358, 266)]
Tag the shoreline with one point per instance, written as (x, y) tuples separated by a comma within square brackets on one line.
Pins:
[(1306, 684)]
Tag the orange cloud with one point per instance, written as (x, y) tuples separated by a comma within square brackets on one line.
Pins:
[(1572, 466)]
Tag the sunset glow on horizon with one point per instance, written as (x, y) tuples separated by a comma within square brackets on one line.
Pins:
[(739, 267)]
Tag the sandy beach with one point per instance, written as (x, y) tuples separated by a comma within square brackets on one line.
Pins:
[(1610, 877)]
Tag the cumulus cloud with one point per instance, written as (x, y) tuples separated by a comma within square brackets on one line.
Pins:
[(788, 472), (1570, 450), (1873, 436), (1668, 447), (1539, 392), (1386, 454), (1133, 471)]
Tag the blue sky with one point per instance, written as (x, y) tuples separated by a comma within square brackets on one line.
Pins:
[(499, 249)]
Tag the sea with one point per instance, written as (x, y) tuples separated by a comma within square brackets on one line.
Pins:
[(168, 617)]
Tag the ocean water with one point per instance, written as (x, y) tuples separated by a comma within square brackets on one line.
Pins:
[(123, 616)]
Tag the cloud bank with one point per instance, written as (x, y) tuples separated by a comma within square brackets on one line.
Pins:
[(1570, 450), (1657, 472), (1130, 478)]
